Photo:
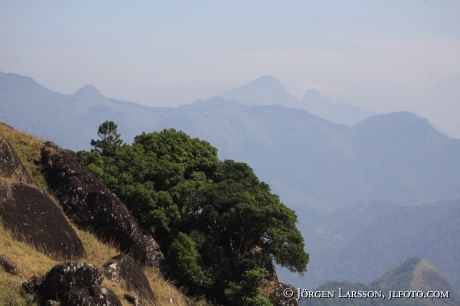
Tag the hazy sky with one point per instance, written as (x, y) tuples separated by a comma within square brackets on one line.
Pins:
[(381, 55)]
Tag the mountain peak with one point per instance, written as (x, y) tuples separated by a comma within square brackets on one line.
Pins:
[(414, 274), (341, 113), (266, 79), (265, 90), (311, 94), (87, 90)]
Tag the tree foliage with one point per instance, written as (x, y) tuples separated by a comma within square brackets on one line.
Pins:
[(217, 222), (110, 140)]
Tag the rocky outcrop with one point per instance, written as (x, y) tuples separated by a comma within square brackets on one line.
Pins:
[(10, 165), (89, 203), (32, 216), (68, 276), (124, 270), (9, 266), (276, 293), (90, 296), (154, 255)]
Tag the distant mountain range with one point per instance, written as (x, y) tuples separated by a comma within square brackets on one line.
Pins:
[(359, 243), (324, 170), (267, 90)]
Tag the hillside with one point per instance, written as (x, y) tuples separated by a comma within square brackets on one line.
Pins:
[(75, 241), (31, 260), (414, 274)]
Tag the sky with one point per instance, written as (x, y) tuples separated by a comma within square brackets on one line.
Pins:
[(380, 55)]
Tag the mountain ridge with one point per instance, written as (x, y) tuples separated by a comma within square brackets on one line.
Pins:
[(316, 166), (341, 113), (407, 283)]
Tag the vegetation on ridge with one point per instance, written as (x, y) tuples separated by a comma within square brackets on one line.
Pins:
[(218, 224)]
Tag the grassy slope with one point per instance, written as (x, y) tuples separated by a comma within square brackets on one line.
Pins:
[(32, 262)]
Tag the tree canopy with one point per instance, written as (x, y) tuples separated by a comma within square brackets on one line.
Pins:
[(218, 224)]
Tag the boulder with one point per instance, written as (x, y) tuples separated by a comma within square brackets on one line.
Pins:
[(32, 216), (123, 269), (67, 276), (33, 285), (136, 301), (90, 296), (10, 165), (154, 255), (89, 203), (9, 266)]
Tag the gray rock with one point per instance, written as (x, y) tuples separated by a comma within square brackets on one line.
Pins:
[(89, 203), (122, 268), (10, 165), (90, 296), (154, 254), (67, 276), (9, 266), (275, 291), (136, 301), (33, 285), (32, 216)]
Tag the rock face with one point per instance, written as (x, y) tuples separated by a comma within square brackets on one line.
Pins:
[(30, 214), (276, 291), (10, 165), (32, 217), (33, 285), (89, 203), (154, 254), (68, 276), (136, 301), (92, 296), (123, 269)]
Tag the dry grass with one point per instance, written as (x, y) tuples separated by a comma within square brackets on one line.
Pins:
[(28, 260), (27, 148), (33, 262)]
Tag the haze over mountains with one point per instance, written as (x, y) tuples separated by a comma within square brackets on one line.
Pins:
[(327, 172), (267, 90)]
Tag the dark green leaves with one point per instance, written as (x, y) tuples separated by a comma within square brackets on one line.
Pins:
[(219, 225)]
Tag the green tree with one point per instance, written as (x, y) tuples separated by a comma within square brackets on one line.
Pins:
[(220, 226), (186, 262), (110, 140)]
